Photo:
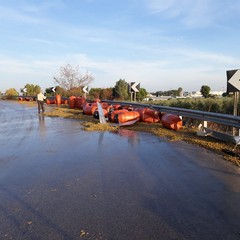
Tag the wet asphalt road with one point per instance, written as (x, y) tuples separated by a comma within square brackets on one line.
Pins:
[(59, 182)]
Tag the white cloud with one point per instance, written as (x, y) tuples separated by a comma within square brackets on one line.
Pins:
[(38, 40), (198, 13), (42, 6), (26, 12), (14, 15), (161, 6), (186, 68), (195, 56), (153, 75)]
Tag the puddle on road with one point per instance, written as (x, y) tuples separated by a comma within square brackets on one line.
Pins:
[(30, 137)]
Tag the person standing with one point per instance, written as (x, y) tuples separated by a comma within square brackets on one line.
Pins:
[(40, 101)]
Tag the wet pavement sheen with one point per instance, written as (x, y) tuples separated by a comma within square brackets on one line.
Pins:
[(60, 182)]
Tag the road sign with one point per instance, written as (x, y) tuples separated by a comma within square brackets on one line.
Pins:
[(135, 86), (53, 89), (233, 80), (25, 90), (85, 89)]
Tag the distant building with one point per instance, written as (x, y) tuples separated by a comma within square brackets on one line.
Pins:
[(186, 94), (193, 94), (196, 94), (151, 97), (217, 93)]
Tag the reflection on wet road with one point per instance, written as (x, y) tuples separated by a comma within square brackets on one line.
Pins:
[(59, 182)]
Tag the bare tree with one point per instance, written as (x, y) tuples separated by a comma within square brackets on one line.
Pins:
[(70, 77)]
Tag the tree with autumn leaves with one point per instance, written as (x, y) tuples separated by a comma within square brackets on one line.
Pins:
[(11, 92)]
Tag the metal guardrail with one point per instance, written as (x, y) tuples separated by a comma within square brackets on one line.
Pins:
[(225, 119)]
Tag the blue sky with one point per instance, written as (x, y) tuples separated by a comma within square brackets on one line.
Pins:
[(163, 44)]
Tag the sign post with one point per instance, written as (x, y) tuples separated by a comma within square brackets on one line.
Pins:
[(25, 91), (85, 90), (53, 89), (233, 86), (236, 99), (135, 86)]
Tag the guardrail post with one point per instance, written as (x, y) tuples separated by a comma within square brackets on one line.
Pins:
[(235, 111)]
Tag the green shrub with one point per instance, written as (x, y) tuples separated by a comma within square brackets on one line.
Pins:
[(216, 105)]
